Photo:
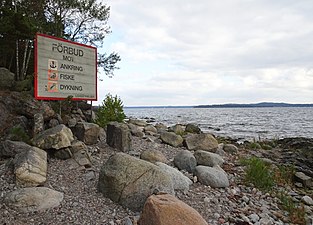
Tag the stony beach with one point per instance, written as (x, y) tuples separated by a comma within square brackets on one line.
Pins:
[(84, 204)]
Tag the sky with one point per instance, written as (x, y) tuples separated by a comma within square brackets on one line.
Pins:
[(183, 52)]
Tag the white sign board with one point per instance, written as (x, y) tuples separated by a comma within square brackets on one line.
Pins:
[(64, 68)]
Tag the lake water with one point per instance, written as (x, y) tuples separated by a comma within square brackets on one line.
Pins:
[(241, 123)]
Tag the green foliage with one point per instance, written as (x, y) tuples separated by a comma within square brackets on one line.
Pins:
[(111, 110), (258, 173), (284, 174), (296, 212), (18, 133)]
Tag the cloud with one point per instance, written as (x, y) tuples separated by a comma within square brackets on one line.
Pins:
[(177, 52)]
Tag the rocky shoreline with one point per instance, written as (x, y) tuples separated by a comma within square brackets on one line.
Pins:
[(75, 167)]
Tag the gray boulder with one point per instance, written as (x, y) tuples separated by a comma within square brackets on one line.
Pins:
[(171, 138), (150, 129), (129, 181), (118, 136), (208, 158), (230, 148), (153, 156), (87, 132), (202, 141), (193, 128), (135, 130), (185, 160), (54, 138), (30, 167), (33, 199), (138, 122), (303, 179), (11, 148), (180, 181), (177, 129), (215, 176), (160, 127)]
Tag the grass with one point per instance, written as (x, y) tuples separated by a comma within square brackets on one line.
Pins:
[(258, 173), (265, 177)]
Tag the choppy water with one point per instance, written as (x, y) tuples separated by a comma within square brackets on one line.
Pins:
[(241, 123)]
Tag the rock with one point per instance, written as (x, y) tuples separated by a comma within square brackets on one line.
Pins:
[(54, 138), (185, 160), (307, 200), (140, 123), (38, 126), (153, 156), (30, 167), (160, 127), (171, 138), (118, 136), (72, 122), (150, 129), (304, 179), (167, 210), (102, 134), (7, 79), (87, 132), (230, 148), (177, 129), (215, 176), (135, 130), (53, 123), (33, 199), (180, 181), (130, 181), (11, 148), (208, 158), (193, 128), (80, 153), (64, 153), (203, 141)]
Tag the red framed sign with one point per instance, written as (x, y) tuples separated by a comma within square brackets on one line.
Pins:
[(64, 68)]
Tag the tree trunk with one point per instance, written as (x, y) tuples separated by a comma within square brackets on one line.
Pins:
[(17, 62)]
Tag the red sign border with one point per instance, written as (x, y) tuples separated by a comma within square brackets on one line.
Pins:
[(36, 69)]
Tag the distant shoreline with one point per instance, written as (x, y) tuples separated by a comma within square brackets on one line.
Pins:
[(229, 105)]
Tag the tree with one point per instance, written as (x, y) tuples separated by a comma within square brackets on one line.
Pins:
[(83, 21), (110, 110)]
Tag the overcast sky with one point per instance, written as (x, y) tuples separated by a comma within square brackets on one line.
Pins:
[(183, 52)]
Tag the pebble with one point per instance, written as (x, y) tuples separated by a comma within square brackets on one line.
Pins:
[(307, 200)]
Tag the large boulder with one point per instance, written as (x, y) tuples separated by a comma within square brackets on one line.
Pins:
[(129, 181), (215, 176), (7, 79), (136, 130), (138, 122), (54, 138), (118, 136), (185, 160), (208, 158), (33, 199), (30, 167), (171, 138), (180, 181), (11, 148), (202, 141), (167, 210), (87, 132)]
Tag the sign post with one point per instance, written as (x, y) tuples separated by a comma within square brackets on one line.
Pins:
[(64, 68)]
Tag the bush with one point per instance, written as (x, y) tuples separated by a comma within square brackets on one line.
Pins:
[(111, 110)]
